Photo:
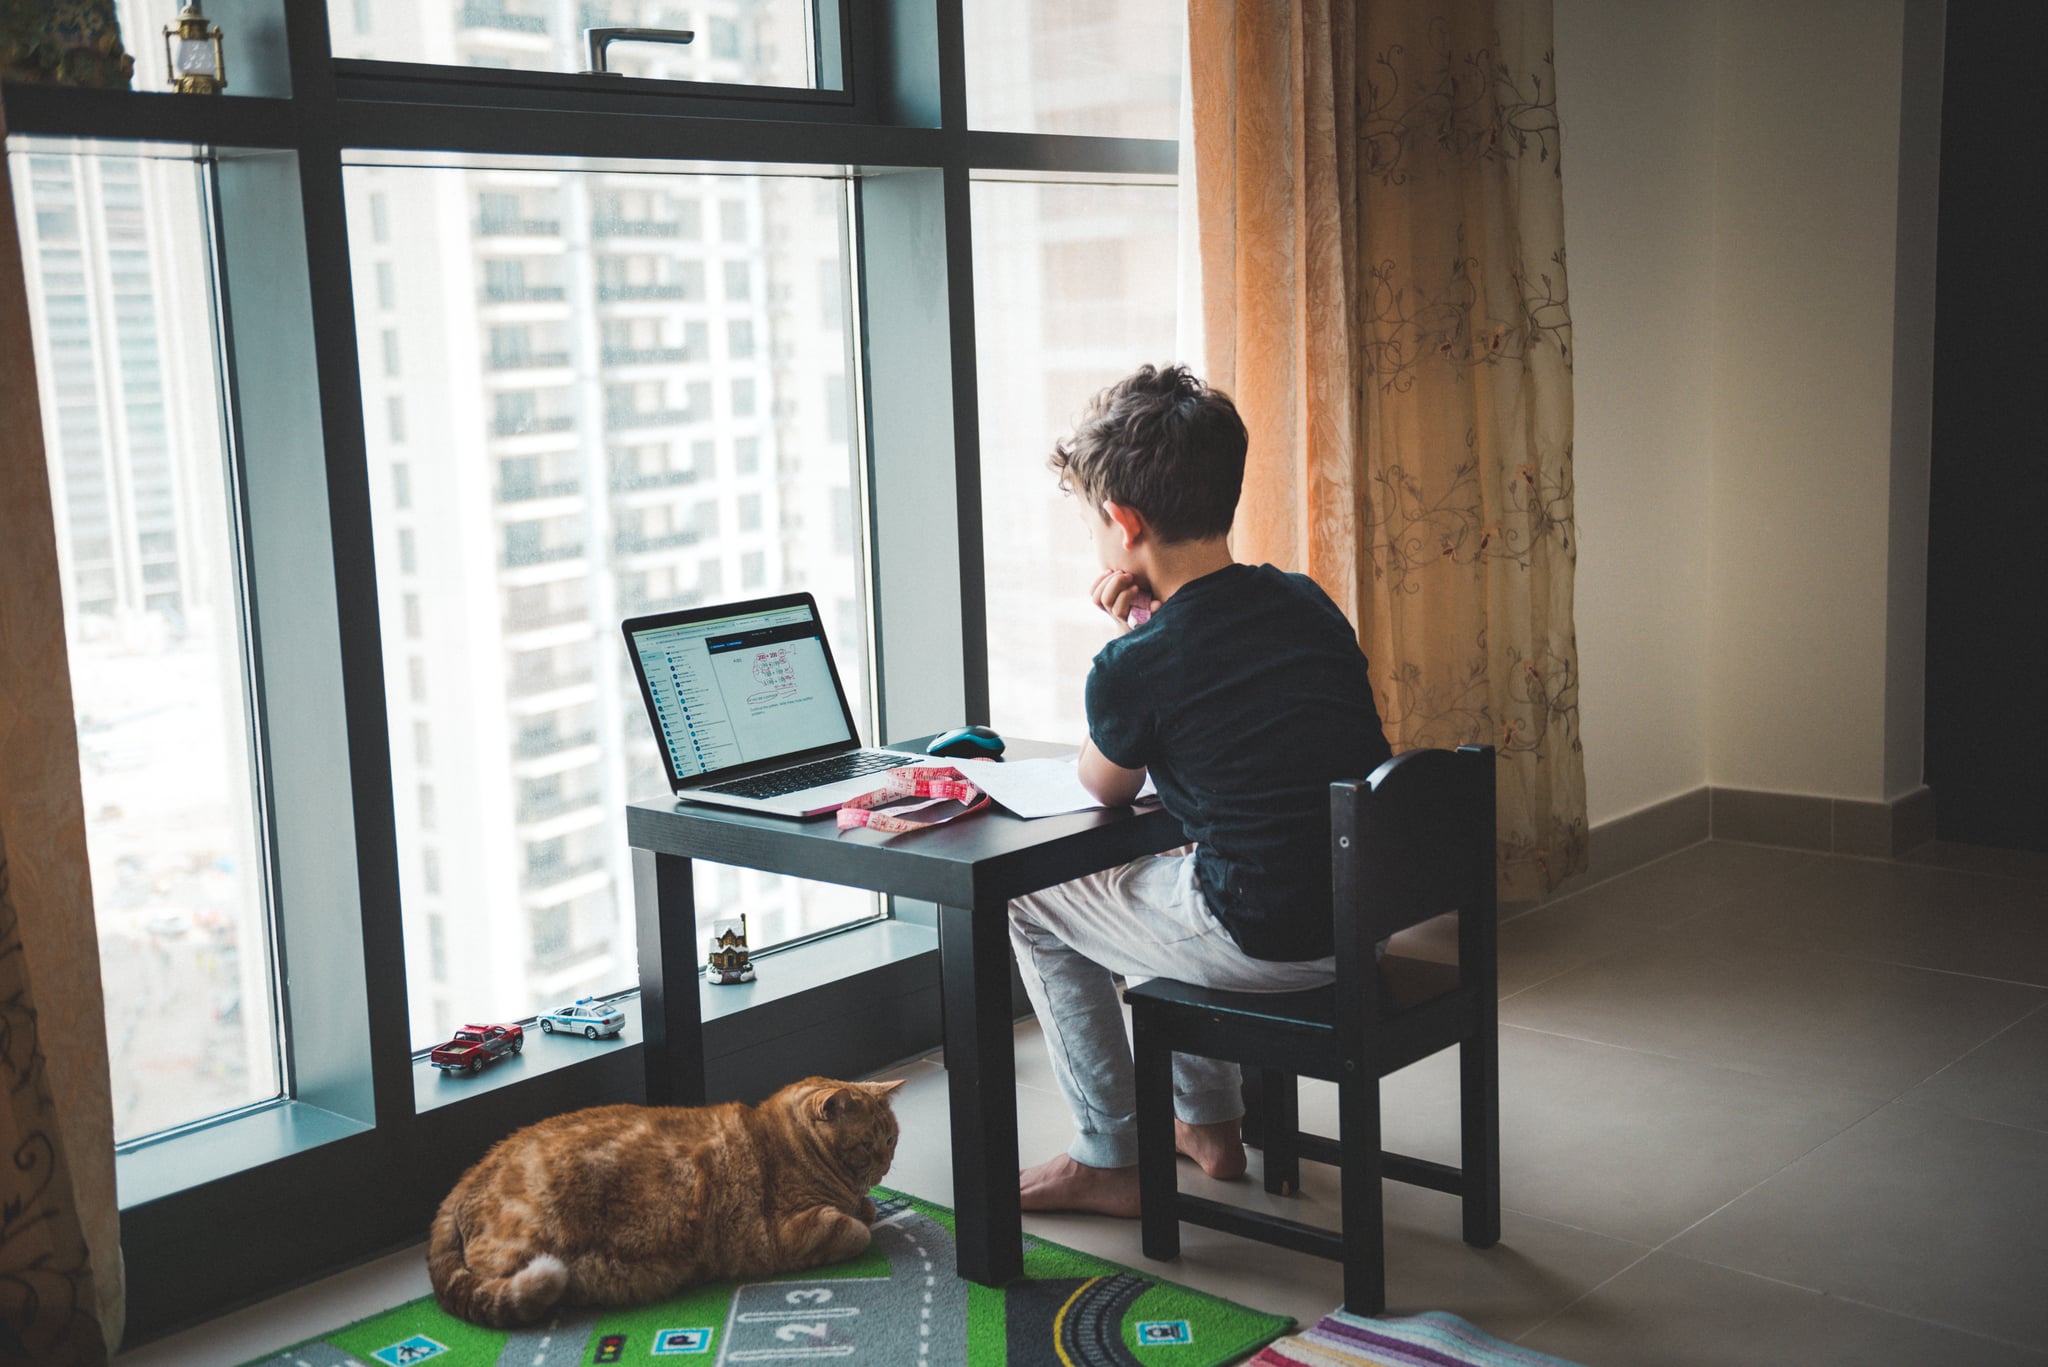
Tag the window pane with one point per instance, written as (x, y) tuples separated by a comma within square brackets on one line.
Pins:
[(1073, 289), (741, 42), (1108, 68), (153, 613), (578, 452)]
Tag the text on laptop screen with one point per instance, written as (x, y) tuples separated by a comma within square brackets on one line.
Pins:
[(733, 690)]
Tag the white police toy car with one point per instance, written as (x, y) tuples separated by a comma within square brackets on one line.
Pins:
[(587, 1018)]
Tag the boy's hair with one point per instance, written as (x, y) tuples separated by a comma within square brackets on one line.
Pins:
[(1164, 443)]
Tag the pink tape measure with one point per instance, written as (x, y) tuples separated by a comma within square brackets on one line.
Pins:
[(900, 788)]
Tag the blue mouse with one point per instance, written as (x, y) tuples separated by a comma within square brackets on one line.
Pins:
[(966, 742)]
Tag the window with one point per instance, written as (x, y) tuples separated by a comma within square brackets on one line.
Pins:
[(746, 42), (523, 677), (1081, 277), (732, 220), (155, 619), (1109, 68)]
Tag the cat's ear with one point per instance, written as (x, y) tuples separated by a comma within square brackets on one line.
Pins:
[(883, 1088), (830, 1103)]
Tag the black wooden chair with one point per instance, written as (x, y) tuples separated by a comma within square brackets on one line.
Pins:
[(1414, 840)]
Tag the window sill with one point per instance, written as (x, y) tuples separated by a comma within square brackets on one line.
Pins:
[(788, 991), (801, 999), (195, 1157)]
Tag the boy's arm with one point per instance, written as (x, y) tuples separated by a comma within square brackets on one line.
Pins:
[(1110, 784)]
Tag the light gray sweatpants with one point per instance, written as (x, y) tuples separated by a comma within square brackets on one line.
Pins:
[(1146, 919)]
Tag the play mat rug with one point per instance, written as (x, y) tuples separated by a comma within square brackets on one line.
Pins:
[(1432, 1340), (899, 1304)]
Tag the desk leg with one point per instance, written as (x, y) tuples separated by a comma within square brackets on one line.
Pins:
[(981, 1078), (665, 905)]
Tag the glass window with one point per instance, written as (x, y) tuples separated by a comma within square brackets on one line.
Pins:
[(570, 508), (1073, 289), (741, 42), (1108, 68), (155, 618)]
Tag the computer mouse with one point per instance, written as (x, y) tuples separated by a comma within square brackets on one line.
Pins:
[(967, 742)]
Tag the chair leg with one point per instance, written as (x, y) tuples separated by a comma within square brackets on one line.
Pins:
[(1479, 1123), (1157, 1186), (1358, 1119), (1281, 1097)]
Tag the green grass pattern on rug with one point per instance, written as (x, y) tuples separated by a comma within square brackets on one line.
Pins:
[(899, 1304)]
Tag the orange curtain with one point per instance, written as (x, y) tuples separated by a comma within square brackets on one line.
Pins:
[(1383, 280), (61, 1286)]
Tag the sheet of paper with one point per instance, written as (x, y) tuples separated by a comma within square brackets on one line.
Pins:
[(1038, 787)]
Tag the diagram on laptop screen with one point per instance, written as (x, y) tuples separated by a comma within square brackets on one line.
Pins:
[(741, 689), (774, 677)]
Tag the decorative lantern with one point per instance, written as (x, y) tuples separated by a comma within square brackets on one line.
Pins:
[(192, 52)]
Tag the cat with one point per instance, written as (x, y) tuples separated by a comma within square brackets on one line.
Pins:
[(623, 1205)]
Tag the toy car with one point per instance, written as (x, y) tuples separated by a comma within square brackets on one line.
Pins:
[(588, 1017), (476, 1045)]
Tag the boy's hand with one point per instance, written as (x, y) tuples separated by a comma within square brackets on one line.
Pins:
[(1117, 593)]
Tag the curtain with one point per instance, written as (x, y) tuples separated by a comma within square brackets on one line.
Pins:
[(61, 1285), (1383, 286)]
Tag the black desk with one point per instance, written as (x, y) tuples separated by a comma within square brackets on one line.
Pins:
[(971, 869)]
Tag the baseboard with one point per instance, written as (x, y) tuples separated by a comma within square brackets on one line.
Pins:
[(1662, 828), (1830, 825), (1872, 830), (1627, 842)]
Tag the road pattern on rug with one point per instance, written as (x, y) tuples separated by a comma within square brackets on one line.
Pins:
[(897, 1305)]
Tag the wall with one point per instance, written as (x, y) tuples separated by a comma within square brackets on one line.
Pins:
[(1636, 100), (1806, 169), (1751, 470)]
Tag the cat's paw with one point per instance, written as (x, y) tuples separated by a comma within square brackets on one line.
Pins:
[(867, 1210), (824, 1235)]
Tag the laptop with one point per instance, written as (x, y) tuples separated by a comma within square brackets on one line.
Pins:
[(747, 708)]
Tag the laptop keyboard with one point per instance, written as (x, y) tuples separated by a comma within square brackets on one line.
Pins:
[(813, 775)]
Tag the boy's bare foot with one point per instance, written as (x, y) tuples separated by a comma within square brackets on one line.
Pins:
[(1217, 1148), (1063, 1184)]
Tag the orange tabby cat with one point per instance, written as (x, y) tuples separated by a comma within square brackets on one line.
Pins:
[(621, 1205)]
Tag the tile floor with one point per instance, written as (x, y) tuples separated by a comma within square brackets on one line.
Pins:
[(1760, 1107)]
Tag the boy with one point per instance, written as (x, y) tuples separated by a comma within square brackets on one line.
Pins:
[(1244, 694)]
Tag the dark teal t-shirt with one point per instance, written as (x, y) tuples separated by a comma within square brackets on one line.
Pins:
[(1246, 696)]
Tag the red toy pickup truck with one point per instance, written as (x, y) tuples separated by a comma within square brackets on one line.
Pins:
[(476, 1045)]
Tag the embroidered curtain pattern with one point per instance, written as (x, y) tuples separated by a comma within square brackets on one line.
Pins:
[(61, 1295), (1383, 275)]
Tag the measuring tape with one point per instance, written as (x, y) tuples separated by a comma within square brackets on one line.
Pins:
[(898, 784)]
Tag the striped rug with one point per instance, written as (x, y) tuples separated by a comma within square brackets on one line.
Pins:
[(1435, 1339)]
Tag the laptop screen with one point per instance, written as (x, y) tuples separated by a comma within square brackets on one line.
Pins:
[(740, 689)]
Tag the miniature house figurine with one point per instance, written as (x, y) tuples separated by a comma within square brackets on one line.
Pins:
[(729, 952)]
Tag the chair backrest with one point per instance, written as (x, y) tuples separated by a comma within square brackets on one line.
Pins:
[(1413, 841)]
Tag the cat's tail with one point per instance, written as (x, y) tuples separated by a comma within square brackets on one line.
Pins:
[(494, 1302)]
